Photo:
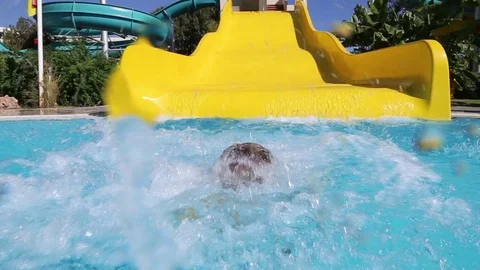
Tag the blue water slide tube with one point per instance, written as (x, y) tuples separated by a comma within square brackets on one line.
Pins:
[(91, 18)]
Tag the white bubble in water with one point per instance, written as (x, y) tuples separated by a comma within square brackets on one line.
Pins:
[(338, 193)]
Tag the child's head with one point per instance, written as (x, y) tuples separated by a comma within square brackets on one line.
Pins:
[(244, 163)]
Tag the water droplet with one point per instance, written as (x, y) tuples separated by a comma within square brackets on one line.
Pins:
[(461, 167), (473, 130)]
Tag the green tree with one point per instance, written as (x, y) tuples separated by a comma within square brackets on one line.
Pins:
[(19, 77), (3, 71), (82, 76), (79, 75), (385, 23), (189, 28), (21, 35)]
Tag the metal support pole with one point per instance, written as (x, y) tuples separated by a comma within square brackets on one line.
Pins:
[(40, 50), (105, 37)]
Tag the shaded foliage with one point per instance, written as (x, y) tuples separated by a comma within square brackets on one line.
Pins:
[(81, 75), (19, 77), (21, 35), (385, 23), (189, 28)]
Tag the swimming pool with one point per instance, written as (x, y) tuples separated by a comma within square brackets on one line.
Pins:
[(345, 195)]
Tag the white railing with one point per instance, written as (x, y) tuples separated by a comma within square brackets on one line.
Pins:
[(263, 5)]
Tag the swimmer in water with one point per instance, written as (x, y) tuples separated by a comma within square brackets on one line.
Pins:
[(243, 163), (239, 164)]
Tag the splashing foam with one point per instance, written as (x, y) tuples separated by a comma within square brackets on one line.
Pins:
[(149, 198), (135, 139)]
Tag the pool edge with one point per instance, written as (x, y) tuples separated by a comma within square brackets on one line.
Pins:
[(47, 117), (101, 111)]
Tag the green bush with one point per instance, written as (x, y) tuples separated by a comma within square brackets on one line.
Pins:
[(77, 78), (18, 77), (3, 71), (81, 76), (189, 28)]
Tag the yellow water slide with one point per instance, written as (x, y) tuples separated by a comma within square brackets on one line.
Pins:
[(275, 64)]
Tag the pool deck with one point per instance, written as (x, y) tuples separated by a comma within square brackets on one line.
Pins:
[(63, 113), (66, 113)]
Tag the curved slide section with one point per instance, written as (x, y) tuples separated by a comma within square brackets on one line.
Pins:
[(275, 64), (82, 15), (183, 6), (90, 18), (4, 48)]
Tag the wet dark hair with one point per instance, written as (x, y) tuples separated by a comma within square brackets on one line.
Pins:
[(241, 160), (253, 152)]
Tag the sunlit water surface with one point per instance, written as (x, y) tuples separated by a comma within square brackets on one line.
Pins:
[(85, 194)]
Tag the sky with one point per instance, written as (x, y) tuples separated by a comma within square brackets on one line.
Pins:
[(323, 12)]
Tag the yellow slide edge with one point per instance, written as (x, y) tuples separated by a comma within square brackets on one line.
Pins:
[(410, 80)]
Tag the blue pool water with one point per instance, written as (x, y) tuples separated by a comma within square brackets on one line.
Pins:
[(344, 195)]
